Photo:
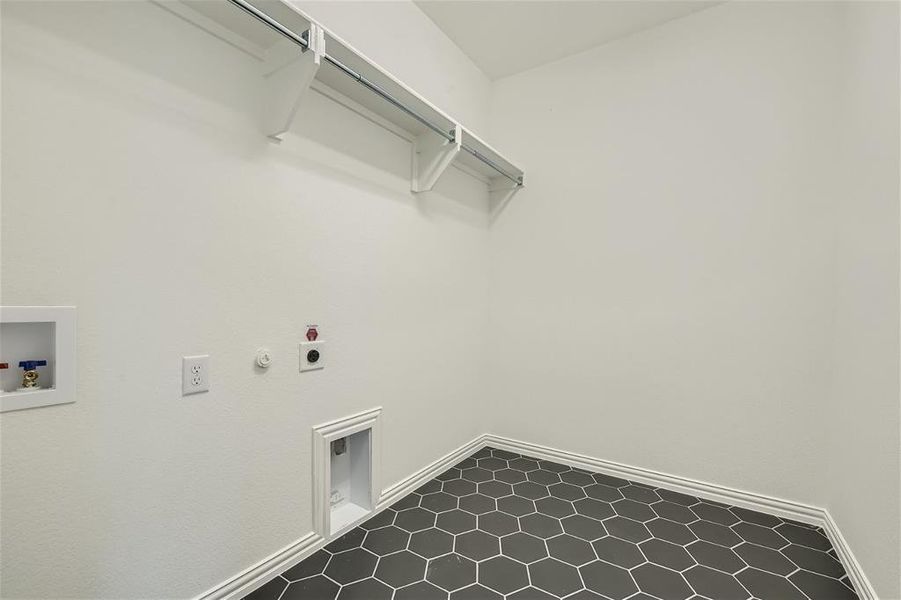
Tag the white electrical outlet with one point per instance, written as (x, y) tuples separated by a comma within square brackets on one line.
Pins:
[(195, 374), (312, 355)]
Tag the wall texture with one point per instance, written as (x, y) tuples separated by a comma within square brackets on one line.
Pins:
[(137, 187), (706, 258)]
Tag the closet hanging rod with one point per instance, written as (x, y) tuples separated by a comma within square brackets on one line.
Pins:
[(300, 41), (303, 43), (492, 164)]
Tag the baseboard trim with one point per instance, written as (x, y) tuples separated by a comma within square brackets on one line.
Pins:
[(708, 491), (254, 577), (395, 492), (270, 567), (265, 570)]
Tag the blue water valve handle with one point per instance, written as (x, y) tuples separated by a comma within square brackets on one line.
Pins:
[(31, 365)]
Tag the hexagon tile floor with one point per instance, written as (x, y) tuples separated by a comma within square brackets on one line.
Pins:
[(501, 525)]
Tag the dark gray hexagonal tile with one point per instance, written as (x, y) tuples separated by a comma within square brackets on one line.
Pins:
[(540, 525), (553, 467), (677, 497), (803, 536), (400, 569), (674, 512), (455, 521), (368, 589), (386, 540), (633, 509), (503, 575), (477, 504), (627, 529), (429, 487), (475, 592), (459, 487), (414, 519), (766, 559), (408, 501), (608, 580), (596, 509), (713, 584), (492, 463), (666, 554), (383, 519), (451, 572), (714, 514), (566, 491), (312, 565), (505, 454), (510, 476), (767, 586), (438, 502), (814, 560), (515, 505), (716, 557), (555, 507), (312, 587), (610, 480), (498, 523), (467, 463), (817, 586), (477, 545), (762, 536), (495, 489), (523, 547), (639, 493), (477, 475), (543, 477), (452, 473), (351, 565), (523, 464), (351, 539), (570, 550), (531, 593), (662, 583), (554, 577), (271, 590), (483, 452), (758, 518), (431, 542), (422, 590), (599, 491), (619, 552), (670, 531), (583, 527), (578, 478), (589, 595), (530, 490), (715, 533)]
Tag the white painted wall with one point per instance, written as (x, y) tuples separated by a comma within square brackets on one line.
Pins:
[(138, 187), (865, 446), (705, 260)]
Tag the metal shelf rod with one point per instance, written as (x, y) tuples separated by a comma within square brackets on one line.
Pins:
[(303, 43)]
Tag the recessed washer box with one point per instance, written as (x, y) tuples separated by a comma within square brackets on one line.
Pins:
[(345, 471), (44, 335)]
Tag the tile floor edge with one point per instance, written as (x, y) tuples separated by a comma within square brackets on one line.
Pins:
[(264, 571)]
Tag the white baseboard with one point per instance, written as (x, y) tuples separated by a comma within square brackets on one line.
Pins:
[(708, 491), (250, 579), (254, 577)]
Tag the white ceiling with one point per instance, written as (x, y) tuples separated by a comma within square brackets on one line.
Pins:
[(507, 36)]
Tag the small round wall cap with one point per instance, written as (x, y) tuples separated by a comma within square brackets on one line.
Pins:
[(264, 358)]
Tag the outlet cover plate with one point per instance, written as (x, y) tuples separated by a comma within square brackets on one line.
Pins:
[(309, 351), (195, 374)]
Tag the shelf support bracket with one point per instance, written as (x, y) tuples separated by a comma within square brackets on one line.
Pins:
[(287, 76), (432, 155), (500, 192)]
